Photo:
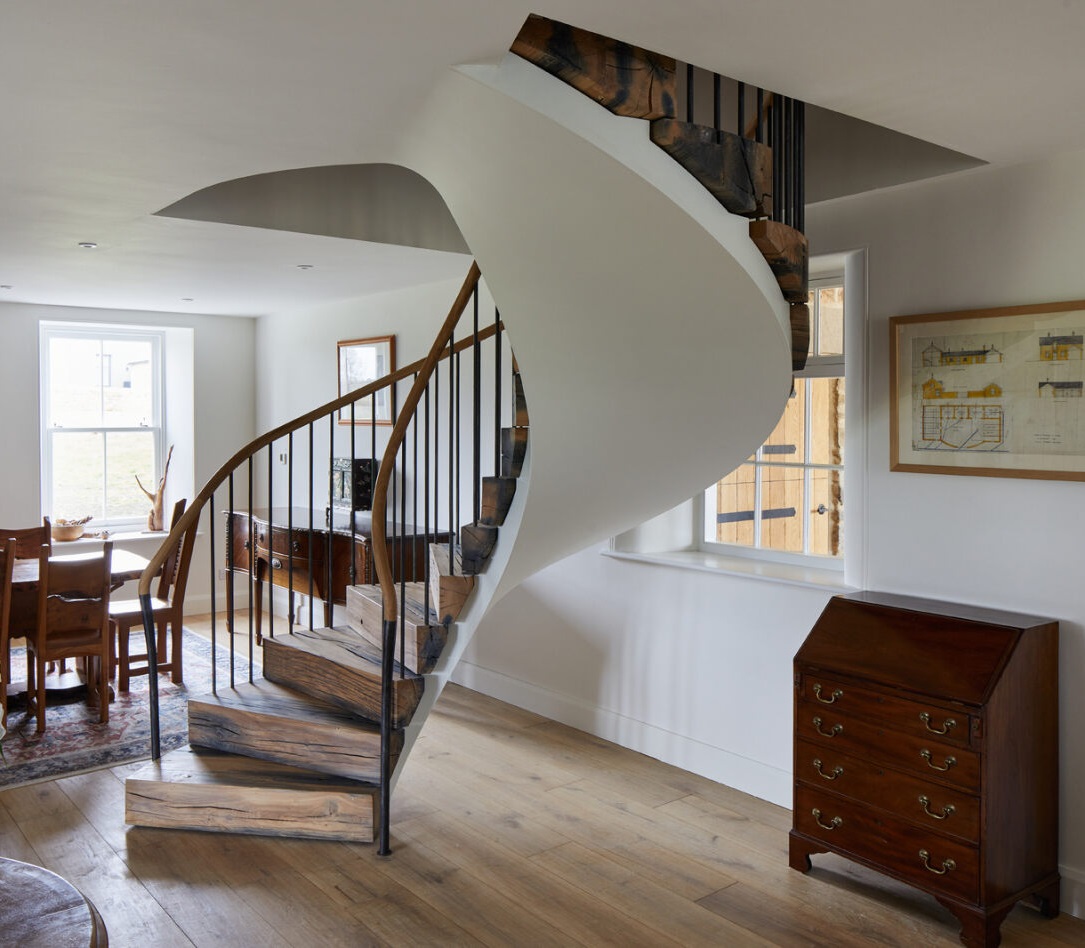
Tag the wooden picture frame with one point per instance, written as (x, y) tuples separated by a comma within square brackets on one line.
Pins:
[(362, 361), (989, 392)]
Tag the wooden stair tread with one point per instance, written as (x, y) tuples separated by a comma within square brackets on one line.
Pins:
[(201, 789), (423, 639), (272, 722), (449, 587), (338, 665)]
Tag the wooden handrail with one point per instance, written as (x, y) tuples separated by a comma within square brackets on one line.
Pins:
[(381, 560), (195, 509)]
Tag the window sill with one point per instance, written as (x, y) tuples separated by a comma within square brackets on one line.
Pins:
[(127, 537), (809, 577)]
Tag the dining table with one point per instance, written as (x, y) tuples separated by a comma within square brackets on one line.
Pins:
[(61, 684)]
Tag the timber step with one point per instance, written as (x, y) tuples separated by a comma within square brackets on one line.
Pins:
[(449, 586), (513, 451), (737, 171), (625, 79), (477, 542), (339, 666), (496, 499), (424, 637), (200, 789), (268, 721)]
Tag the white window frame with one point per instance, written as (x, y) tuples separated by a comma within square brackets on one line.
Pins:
[(100, 331), (817, 366)]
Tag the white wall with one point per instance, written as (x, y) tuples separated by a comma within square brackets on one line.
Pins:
[(695, 668), (223, 405)]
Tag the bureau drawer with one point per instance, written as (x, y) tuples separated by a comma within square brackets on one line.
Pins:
[(952, 725), (923, 802), (931, 759), (279, 541), (934, 862)]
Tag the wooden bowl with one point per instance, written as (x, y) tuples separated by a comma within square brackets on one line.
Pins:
[(68, 531)]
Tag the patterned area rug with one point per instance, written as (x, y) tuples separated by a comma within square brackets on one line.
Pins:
[(74, 741)]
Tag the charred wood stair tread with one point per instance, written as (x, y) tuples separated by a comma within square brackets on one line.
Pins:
[(202, 789), (737, 171), (340, 666), (625, 79), (269, 721), (449, 587)]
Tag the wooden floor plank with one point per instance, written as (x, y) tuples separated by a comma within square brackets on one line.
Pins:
[(507, 829)]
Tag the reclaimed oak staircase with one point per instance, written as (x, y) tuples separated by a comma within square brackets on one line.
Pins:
[(314, 747)]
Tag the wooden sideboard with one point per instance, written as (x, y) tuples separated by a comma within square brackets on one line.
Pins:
[(926, 747), (278, 545)]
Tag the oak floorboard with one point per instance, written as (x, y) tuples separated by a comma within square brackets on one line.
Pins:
[(638, 896), (69, 846), (507, 829), (578, 914)]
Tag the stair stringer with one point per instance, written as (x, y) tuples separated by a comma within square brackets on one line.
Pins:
[(639, 308)]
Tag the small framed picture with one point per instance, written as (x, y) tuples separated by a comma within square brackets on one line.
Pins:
[(362, 361)]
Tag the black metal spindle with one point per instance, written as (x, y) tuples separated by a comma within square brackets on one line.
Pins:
[(230, 598), (271, 548), (214, 590), (312, 499), (800, 166), (290, 531), (717, 105), (777, 159), (759, 132), (414, 496), (403, 537), (689, 93), (476, 419), (498, 389), (329, 598), (742, 109), (253, 598), (452, 389)]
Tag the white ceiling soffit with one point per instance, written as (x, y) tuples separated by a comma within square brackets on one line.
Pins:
[(114, 110)]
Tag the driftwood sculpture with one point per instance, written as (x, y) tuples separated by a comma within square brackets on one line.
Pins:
[(156, 517)]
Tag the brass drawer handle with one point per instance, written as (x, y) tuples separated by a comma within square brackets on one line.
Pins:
[(837, 693), (836, 772), (947, 864), (945, 729), (926, 755), (947, 810), (832, 732), (831, 825)]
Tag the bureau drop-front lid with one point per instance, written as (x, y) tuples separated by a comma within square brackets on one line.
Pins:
[(941, 649)]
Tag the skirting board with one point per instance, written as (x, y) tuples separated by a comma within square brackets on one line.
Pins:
[(749, 776)]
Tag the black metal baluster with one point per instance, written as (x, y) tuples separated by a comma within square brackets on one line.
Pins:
[(717, 106), (290, 531), (230, 603), (800, 166), (742, 109), (759, 133), (350, 499), (452, 389), (214, 590), (498, 388), (252, 568), (312, 498), (329, 594), (476, 419), (271, 554), (689, 93)]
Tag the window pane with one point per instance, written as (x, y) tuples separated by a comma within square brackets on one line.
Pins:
[(827, 513), (75, 383), (127, 375), (830, 328), (733, 500), (782, 508), (826, 421), (78, 475), (129, 453), (786, 443)]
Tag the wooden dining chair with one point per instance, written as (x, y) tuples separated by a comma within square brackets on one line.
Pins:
[(73, 622), (167, 607), (28, 542), (7, 564)]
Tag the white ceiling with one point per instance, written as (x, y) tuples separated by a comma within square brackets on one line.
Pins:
[(114, 109)]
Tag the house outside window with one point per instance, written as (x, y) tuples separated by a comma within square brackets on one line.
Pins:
[(102, 404), (787, 501)]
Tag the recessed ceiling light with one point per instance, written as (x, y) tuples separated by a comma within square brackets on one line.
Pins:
[(88, 245), (305, 266), (5, 286), (187, 299)]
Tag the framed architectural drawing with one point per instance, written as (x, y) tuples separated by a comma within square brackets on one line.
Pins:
[(362, 361), (993, 392)]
